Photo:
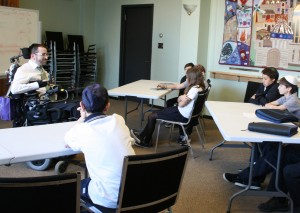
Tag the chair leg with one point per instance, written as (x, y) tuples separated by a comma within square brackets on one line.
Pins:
[(187, 140), (201, 139), (157, 134), (171, 131), (169, 210), (201, 124)]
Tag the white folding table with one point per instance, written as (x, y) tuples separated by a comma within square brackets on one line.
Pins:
[(142, 89), (32, 143), (232, 119), (5, 156)]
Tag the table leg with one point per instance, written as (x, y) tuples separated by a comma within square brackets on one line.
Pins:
[(249, 181), (212, 150), (277, 178), (247, 191), (142, 112), (223, 144)]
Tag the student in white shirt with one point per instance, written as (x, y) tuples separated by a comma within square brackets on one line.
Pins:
[(179, 113), (104, 140)]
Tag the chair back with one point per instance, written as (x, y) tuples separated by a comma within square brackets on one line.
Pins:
[(251, 89), (47, 194), (151, 183), (199, 102)]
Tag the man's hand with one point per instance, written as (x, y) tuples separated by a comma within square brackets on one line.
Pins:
[(161, 86)]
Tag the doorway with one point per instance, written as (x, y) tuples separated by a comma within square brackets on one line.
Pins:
[(136, 43)]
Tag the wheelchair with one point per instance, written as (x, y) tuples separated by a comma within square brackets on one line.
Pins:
[(30, 109)]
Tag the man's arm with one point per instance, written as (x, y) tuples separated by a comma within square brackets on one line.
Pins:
[(275, 105), (24, 82), (171, 86)]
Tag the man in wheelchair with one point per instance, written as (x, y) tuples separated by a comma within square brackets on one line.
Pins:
[(29, 79), (31, 92)]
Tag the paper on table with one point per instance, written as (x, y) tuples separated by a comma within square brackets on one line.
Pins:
[(167, 83), (249, 115), (158, 88)]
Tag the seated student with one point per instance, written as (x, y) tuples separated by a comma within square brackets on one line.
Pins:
[(104, 140), (288, 87), (173, 101), (183, 84), (289, 101), (179, 113), (268, 91), (288, 181)]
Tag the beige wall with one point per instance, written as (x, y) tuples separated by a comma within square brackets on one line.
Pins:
[(74, 17)]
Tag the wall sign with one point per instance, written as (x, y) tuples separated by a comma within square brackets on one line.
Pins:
[(260, 33)]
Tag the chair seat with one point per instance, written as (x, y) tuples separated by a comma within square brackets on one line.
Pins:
[(88, 204)]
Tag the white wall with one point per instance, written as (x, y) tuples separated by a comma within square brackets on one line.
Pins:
[(179, 30), (74, 17)]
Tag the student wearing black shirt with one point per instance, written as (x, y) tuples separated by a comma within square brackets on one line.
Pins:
[(268, 91)]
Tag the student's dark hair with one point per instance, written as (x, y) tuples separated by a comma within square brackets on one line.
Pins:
[(195, 77), (284, 82), (189, 65), (95, 98), (34, 48), (271, 72)]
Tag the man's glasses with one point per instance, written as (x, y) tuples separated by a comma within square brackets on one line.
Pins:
[(43, 54)]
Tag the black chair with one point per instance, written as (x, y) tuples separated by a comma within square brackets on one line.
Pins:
[(78, 41), (150, 183), (56, 37), (251, 89), (200, 118), (47, 194), (197, 111)]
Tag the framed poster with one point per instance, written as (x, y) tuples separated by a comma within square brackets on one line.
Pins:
[(261, 33)]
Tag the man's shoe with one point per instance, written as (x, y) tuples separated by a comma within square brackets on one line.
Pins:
[(181, 139), (136, 135), (142, 144), (232, 178), (184, 142), (243, 184), (274, 205)]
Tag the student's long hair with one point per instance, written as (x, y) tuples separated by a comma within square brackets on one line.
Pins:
[(195, 77)]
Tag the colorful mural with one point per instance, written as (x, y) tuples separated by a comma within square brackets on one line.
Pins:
[(259, 33)]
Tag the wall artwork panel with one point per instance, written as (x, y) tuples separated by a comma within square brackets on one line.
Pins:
[(260, 33)]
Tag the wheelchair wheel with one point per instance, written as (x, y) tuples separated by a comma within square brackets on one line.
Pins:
[(39, 165), (60, 167)]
